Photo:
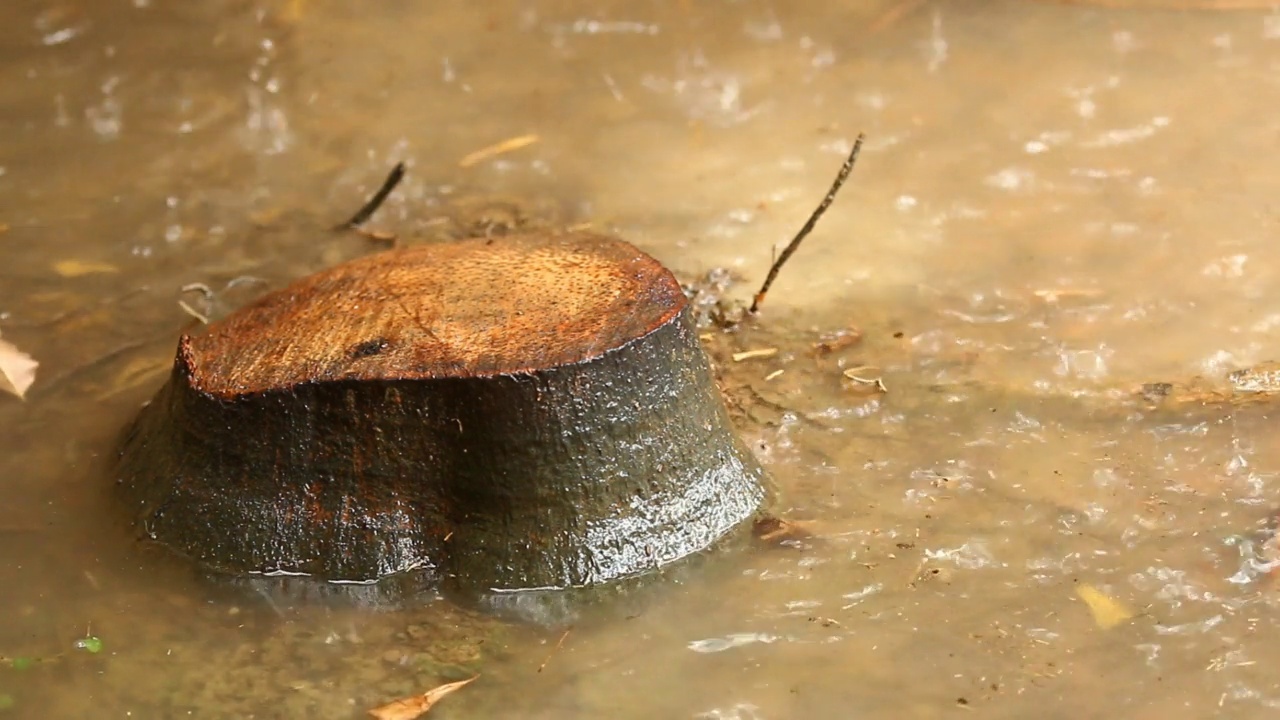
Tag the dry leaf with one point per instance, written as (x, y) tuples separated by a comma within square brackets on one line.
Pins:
[(1107, 611), (17, 369), (76, 268), (414, 706)]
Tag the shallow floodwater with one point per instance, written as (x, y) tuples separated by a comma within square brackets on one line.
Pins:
[(1055, 205)]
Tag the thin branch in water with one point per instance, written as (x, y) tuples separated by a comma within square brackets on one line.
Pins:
[(497, 149), (554, 649), (375, 202), (808, 226), (206, 293)]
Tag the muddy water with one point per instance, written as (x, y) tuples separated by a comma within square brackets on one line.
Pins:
[(1055, 204)]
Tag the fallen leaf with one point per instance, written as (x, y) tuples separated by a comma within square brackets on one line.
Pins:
[(1107, 611), (17, 369), (76, 268), (414, 706)]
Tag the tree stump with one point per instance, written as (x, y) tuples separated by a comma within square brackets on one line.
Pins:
[(529, 412)]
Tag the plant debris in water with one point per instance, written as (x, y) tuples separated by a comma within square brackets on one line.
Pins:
[(496, 149), (1107, 611), (76, 268), (417, 705), (90, 643), (369, 208), (710, 308), (17, 369), (809, 224)]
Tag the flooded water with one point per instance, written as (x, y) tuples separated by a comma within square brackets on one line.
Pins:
[(1056, 204)]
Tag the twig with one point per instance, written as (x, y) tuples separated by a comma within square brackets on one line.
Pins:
[(759, 353), (856, 374), (554, 650), (375, 202), (199, 316), (808, 226), (206, 292), (496, 149)]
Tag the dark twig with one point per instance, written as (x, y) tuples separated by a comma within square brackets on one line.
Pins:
[(554, 650), (375, 202), (808, 226)]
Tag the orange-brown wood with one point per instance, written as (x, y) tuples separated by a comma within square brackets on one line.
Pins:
[(466, 309)]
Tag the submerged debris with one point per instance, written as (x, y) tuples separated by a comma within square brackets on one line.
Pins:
[(554, 650), (1261, 378), (1258, 383), (867, 375), (77, 268), (499, 148), (755, 354), (1107, 611), (777, 532), (17, 370), (417, 705), (207, 308), (707, 297), (833, 342)]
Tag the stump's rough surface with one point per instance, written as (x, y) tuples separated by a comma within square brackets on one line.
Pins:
[(528, 412)]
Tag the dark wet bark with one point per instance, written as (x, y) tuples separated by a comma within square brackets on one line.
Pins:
[(490, 472)]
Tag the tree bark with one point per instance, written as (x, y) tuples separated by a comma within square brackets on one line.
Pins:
[(530, 412)]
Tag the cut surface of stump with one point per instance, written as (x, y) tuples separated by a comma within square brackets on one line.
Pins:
[(528, 412)]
